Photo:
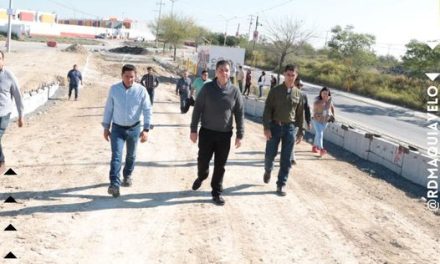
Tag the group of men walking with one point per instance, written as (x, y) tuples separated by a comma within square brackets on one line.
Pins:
[(218, 104)]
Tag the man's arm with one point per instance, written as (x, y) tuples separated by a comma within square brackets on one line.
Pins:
[(268, 106), (239, 115), (143, 81), (299, 116), (197, 111), (15, 91), (108, 110), (156, 81), (146, 110)]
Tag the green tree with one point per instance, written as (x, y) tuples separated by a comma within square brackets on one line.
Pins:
[(176, 29), (420, 58), (352, 49)]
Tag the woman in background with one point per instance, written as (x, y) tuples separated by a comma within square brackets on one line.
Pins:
[(323, 112)]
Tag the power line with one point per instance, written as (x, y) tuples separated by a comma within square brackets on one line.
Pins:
[(73, 9)]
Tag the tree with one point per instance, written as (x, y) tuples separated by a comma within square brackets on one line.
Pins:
[(353, 49), (285, 37), (420, 58), (176, 29)]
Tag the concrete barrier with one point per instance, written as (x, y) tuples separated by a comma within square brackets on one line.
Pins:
[(34, 99), (395, 156)]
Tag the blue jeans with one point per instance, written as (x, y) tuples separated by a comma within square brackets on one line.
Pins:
[(4, 122), (260, 90), (75, 88), (286, 134), (120, 135), (319, 133), (151, 94), (183, 102)]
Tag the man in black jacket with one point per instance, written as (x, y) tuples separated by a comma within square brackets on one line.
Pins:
[(216, 105)]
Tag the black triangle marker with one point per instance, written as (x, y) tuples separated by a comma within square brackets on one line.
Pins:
[(10, 200), (10, 228), (10, 256), (10, 172)]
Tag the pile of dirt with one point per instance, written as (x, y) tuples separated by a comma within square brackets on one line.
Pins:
[(76, 48), (130, 50)]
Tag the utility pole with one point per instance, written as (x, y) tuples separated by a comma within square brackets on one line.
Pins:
[(158, 21), (172, 6), (8, 44), (250, 26), (255, 36), (238, 31)]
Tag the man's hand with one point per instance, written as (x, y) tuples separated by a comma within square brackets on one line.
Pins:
[(107, 134), (143, 136), (267, 134), (298, 139), (237, 142), (193, 137), (20, 122)]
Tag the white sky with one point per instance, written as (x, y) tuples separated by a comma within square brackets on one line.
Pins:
[(393, 22)]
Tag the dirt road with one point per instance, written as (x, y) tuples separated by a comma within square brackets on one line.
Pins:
[(333, 213)]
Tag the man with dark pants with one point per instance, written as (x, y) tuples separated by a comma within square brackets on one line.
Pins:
[(215, 106), (150, 82), (282, 121), (126, 102), (74, 76), (9, 89), (183, 88)]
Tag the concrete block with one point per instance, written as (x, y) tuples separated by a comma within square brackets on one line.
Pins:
[(259, 108), (250, 107), (387, 154), (35, 99), (415, 168), (334, 134), (356, 142)]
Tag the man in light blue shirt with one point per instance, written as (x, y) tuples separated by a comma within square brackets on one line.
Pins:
[(126, 102), (9, 89)]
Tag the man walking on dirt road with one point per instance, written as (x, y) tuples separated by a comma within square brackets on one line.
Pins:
[(126, 102), (9, 89), (150, 82), (215, 106), (74, 76), (283, 122)]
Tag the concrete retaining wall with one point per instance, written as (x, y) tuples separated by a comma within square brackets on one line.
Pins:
[(34, 99), (409, 164)]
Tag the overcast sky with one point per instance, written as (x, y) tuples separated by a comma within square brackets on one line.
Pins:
[(393, 22)]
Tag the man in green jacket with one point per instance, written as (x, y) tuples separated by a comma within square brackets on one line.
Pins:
[(282, 121)]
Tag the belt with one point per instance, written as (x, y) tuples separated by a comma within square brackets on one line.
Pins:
[(127, 127), (277, 122)]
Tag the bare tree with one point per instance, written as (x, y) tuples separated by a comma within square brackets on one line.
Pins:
[(286, 36)]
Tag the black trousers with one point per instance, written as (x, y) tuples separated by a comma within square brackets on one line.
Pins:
[(75, 88), (217, 143)]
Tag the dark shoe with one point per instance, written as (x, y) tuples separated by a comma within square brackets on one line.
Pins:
[(266, 177), (114, 191), (293, 162), (218, 200), (281, 190), (127, 182), (197, 183)]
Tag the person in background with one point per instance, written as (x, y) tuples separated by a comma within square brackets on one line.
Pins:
[(323, 112), (240, 78), (74, 76), (150, 82), (261, 83), (183, 88), (306, 107), (199, 82), (247, 87), (9, 89), (273, 81)]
